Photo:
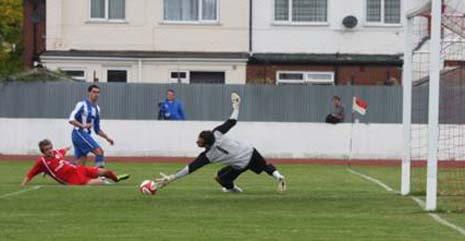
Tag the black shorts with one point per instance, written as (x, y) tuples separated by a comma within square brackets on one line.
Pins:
[(257, 163)]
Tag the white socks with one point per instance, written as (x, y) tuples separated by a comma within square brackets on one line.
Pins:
[(235, 114), (277, 175)]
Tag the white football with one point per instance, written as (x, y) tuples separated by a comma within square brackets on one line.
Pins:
[(148, 187)]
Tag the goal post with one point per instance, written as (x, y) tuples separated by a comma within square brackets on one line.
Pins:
[(433, 108), (406, 107), (433, 133)]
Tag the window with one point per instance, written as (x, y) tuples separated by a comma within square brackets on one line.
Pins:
[(190, 10), (297, 77), (204, 77), (301, 11), (117, 76), (383, 11), (75, 74), (179, 76), (107, 9)]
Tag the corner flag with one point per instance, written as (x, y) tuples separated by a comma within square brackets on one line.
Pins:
[(359, 106)]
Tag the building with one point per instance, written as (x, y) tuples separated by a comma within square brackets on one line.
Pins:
[(33, 31), (163, 41), (228, 41), (328, 41)]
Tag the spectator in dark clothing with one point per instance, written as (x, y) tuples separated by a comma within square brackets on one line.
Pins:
[(337, 114), (170, 108)]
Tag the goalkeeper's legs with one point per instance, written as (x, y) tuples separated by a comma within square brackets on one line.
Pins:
[(258, 164), (226, 177)]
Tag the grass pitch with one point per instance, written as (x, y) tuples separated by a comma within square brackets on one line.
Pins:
[(322, 203)]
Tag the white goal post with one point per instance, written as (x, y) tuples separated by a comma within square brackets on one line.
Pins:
[(435, 9)]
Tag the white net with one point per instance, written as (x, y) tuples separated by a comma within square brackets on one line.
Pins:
[(451, 148)]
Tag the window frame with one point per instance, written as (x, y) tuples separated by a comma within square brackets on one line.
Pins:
[(118, 68), (290, 21), (304, 74), (107, 18), (175, 80), (382, 23), (84, 78), (208, 71), (199, 15)]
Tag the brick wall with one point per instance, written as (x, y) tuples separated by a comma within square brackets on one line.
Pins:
[(36, 9), (345, 74)]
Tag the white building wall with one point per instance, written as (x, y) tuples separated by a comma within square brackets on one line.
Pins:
[(331, 37), (69, 27), (152, 71)]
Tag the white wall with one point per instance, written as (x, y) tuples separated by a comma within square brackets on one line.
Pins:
[(165, 138), (152, 71), (327, 38), (69, 27)]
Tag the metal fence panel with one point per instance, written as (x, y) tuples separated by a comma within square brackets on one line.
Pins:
[(284, 103)]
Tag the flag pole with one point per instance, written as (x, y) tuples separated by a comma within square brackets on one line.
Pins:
[(351, 135)]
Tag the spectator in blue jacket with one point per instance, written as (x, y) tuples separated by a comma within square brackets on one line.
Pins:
[(170, 108)]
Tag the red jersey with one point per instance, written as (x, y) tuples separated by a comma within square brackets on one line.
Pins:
[(56, 167)]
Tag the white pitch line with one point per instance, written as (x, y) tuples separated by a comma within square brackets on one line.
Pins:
[(438, 219), (386, 187), (420, 202), (19, 192)]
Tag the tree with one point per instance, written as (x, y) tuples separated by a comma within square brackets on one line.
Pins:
[(11, 16)]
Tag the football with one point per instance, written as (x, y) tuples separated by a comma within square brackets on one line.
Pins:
[(148, 187)]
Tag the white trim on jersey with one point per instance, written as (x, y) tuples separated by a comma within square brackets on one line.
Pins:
[(84, 139), (79, 105), (94, 111), (51, 172)]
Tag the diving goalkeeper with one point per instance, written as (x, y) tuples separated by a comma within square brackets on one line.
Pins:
[(237, 156)]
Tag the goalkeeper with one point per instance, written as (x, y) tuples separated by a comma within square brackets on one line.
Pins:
[(237, 157)]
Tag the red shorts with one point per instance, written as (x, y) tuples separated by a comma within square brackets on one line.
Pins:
[(83, 175)]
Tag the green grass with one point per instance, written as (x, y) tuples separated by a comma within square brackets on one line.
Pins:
[(323, 203)]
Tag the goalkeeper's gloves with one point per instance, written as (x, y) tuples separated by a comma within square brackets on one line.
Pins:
[(165, 179), (236, 100)]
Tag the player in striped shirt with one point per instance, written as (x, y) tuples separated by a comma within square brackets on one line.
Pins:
[(237, 157), (84, 118), (53, 163)]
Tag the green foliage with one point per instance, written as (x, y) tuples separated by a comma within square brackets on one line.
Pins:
[(38, 74), (11, 14)]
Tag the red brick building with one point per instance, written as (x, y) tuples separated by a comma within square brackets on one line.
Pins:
[(345, 69), (33, 30)]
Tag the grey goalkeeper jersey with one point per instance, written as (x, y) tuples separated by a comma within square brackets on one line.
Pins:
[(229, 152)]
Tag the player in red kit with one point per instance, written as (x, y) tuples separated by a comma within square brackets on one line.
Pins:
[(53, 164)]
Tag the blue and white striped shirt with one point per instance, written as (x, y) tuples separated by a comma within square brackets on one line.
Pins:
[(85, 112)]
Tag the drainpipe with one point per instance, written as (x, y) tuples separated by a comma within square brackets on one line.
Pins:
[(139, 62), (250, 26)]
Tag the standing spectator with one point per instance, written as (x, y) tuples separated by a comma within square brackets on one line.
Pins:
[(337, 114), (170, 108)]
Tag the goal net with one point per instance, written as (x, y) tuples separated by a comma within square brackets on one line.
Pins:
[(431, 137)]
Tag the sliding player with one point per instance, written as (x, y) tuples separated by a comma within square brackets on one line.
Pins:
[(53, 164), (237, 156)]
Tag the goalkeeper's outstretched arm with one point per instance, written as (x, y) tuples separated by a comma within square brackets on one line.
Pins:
[(199, 162)]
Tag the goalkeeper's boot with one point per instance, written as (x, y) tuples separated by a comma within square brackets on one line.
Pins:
[(236, 100), (123, 177), (282, 185), (235, 189)]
